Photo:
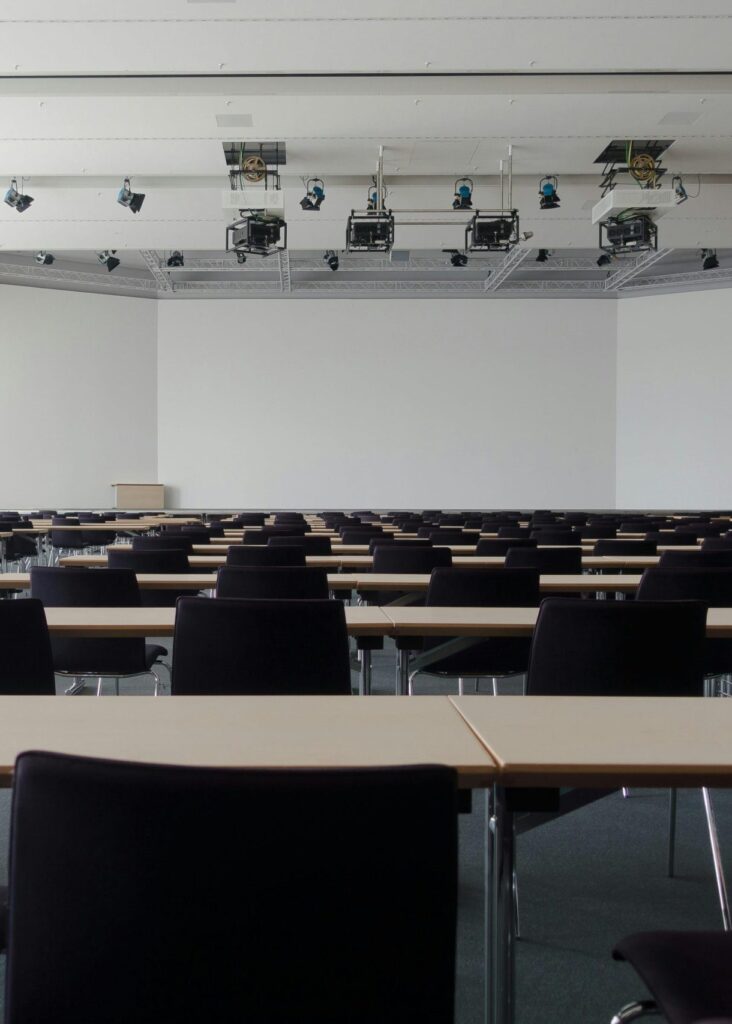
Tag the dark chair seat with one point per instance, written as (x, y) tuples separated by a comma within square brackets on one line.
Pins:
[(687, 973)]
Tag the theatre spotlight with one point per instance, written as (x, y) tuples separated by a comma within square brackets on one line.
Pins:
[(314, 194), (458, 259), (132, 200), (604, 260), (44, 258), (463, 199), (709, 259), (241, 257), (548, 196), (16, 199), (331, 258), (107, 257), (175, 259), (542, 256)]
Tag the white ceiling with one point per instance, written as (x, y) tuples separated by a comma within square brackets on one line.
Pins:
[(422, 90)]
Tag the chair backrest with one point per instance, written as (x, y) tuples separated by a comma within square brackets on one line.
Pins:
[(595, 531), (91, 588), (514, 531), (501, 545), (394, 558), (546, 560), (410, 542), (259, 582), (264, 847), (61, 538), (706, 558), (249, 519), (624, 547), (712, 586), (263, 554), (311, 543), (717, 543), (26, 661), (169, 542), (359, 536), (563, 537), (666, 538), (237, 646), (149, 560), (618, 648), (483, 588), (448, 536)]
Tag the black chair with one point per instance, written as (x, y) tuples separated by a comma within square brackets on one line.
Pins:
[(623, 649), (85, 658), (717, 543), (409, 542), (169, 561), (167, 542), (263, 554), (26, 661), (514, 531), (311, 543), (553, 537), (65, 542), (249, 519), (624, 547), (687, 974), (705, 558), (502, 545), (229, 647), (258, 582), (561, 560), (713, 586), (595, 532), (479, 588), (666, 538), (359, 536), (191, 875), (446, 536)]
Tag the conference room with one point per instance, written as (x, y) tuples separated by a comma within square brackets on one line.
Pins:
[(365, 512)]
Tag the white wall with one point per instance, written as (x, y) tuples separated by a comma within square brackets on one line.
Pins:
[(387, 403), (78, 396), (674, 417)]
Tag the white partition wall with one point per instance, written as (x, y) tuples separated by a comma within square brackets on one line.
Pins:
[(78, 396), (674, 414), (387, 403)]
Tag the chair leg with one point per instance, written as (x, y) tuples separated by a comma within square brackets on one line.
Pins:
[(671, 856), (76, 687), (644, 1008), (494, 684), (116, 685), (717, 859), (516, 915), (461, 686), (100, 682), (626, 792), (158, 684)]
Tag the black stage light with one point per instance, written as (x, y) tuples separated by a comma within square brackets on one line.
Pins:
[(542, 256), (132, 200), (314, 194), (241, 257), (709, 259), (459, 259), (44, 258), (176, 259), (604, 260), (107, 257), (331, 258), (16, 199)]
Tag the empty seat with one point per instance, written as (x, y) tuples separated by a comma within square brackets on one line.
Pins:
[(624, 547), (311, 543), (257, 582), (263, 554), (546, 560)]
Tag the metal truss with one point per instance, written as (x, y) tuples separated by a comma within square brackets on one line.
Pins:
[(154, 263), (109, 283), (566, 286), (631, 268), (283, 257), (511, 262), (721, 276)]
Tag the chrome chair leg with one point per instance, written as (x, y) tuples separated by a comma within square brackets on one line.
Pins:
[(461, 686), (671, 856), (494, 684), (100, 683), (77, 686), (516, 915), (626, 792), (643, 1008), (717, 859)]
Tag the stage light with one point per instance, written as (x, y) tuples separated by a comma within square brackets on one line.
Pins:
[(370, 232), (548, 196), (709, 259), (463, 199), (331, 258), (107, 257), (132, 200), (176, 259), (526, 235), (44, 258), (542, 256), (604, 260), (314, 194), (16, 199), (489, 232), (241, 257), (458, 259)]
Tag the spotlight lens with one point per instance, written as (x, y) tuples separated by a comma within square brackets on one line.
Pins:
[(547, 188)]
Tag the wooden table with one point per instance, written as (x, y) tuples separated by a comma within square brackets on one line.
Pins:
[(583, 741), (247, 732)]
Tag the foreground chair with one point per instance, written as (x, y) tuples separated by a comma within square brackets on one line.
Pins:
[(26, 661), (169, 561), (235, 646), (687, 973), (230, 895)]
